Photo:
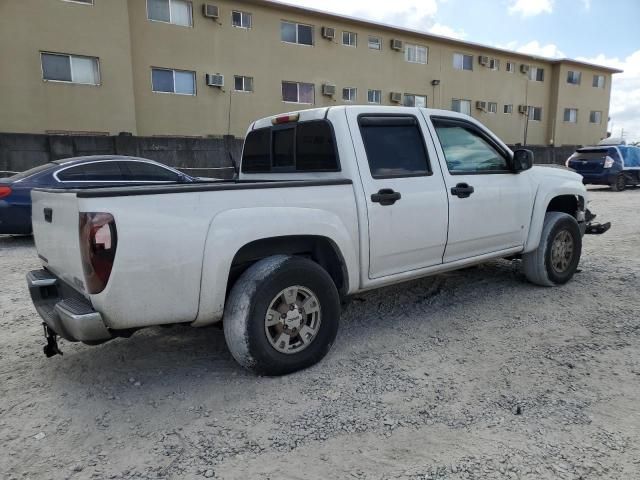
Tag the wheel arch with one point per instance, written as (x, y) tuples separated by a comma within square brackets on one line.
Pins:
[(239, 237), (571, 201)]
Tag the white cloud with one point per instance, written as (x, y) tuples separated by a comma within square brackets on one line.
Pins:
[(534, 47), (531, 8), (586, 4), (445, 31), (413, 14), (625, 94)]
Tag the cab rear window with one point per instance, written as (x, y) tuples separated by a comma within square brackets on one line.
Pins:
[(301, 147)]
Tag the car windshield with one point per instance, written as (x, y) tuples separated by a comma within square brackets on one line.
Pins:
[(31, 172)]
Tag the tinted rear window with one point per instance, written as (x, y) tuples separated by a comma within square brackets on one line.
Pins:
[(302, 147), (394, 147), (596, 154), (98, 172), (33, 171)]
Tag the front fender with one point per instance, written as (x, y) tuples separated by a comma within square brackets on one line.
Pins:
[(545, 193), (232, 229)]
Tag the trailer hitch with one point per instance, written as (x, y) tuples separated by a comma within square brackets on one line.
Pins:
[(595, 228), (51, 349)]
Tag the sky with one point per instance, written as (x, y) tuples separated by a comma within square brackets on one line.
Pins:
[(605, 32)]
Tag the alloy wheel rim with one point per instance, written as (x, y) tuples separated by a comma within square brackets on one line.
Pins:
[(293, 319), (562, 250)]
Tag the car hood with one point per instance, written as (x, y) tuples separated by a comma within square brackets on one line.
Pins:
[(556, 171)]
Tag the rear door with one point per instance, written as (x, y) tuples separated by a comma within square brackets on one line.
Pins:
[(406, 201), (489, 205)]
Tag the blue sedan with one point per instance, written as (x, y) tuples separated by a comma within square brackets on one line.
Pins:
[(81, 172)]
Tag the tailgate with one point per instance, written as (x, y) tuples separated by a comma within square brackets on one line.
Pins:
[(56, 233)]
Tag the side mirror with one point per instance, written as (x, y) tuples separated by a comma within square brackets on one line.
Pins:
[(522, 160)]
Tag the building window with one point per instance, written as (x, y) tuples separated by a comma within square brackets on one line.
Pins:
[(349, 94), (416, 54), (598, 81), (375, 43), (508, 109), (180, 82), (241, 19), (177, 12), (419, 101), (461, 106), (510, 67), (296, 92), (350, 39), (374, 96), (574, 78), (296, 33), (535, 114), (70, 68), (494, 64), (536, 74), (492, 107), (242, 84), (595, 117), (571, 115), (462, 62)]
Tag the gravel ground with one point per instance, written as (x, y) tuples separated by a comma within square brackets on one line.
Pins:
[(470, 375)]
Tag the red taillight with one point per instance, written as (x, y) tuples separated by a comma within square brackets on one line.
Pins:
[(98, 243), (5, 191)]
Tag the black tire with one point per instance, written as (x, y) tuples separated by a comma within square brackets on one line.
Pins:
[(620, 184), (250, 299), (539, 266)]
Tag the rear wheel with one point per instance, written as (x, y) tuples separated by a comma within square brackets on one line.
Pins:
[(556, 259), (620, 183), (282, 315)]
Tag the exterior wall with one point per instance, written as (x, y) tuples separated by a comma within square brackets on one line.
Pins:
[(28, 104), (129, 45), (585, 98)]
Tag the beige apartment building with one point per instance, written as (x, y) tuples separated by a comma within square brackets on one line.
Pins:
[(193, 68)]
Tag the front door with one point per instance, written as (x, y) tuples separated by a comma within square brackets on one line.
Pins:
[(489, 204), (406, 202)]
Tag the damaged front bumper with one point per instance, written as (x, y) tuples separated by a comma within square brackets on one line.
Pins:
[(594, 228)]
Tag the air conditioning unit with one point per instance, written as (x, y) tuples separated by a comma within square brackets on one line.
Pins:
[(396, 97), (524, 68), (484, 60), (210, 11), (329, 33), (216, 80), (397, 44), (480, 105), (523, 109), (328, 90)]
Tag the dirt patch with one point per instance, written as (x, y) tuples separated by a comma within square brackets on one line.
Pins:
[(470, 375)]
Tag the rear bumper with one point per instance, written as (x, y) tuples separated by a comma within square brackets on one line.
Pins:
[(14, 220), (66, 312), (603, 178)]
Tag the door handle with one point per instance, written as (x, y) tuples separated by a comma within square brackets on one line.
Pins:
[(48, 215), (462, 190), (386, 197)]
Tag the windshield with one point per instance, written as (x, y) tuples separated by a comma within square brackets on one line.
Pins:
[(31, 172)]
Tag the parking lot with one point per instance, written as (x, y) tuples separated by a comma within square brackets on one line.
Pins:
[(473, 374)]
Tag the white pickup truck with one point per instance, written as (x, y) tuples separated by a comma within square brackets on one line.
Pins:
[(328, 202)]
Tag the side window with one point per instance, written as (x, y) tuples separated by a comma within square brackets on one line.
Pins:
[(103, 172), (394, 146), (147, 172), (466, 150), (73, 174), (301, 147)]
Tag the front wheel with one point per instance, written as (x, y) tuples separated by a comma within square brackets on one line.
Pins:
[(556, 259), (282, 315)]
